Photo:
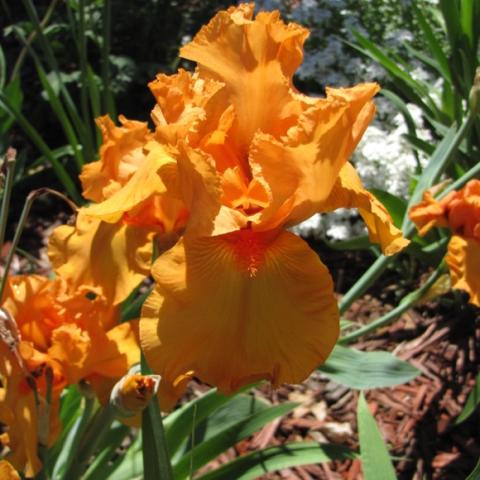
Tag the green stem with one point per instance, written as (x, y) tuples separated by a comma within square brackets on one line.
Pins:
[(16, 238), (30, 39), (96, 430), (74, 437), (405, 304), (364, 282), (53, 64), (82, 53), (156, 459), (9, 160)]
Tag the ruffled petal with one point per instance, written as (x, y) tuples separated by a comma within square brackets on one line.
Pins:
[(202, 193), (314, 151), (121, 154), (186, 104), (429, 213), (349, 192), (148, 180), (109, 259), (463, 260), (239, 308), (256, 60), (92, 351)]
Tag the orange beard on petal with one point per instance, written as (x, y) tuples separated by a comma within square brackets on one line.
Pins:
[(249, 248)]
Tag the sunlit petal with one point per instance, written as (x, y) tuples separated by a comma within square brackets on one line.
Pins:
[(463, 260), (238, 308), (109, 259), (349, 192)]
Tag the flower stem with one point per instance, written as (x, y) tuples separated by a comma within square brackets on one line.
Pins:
[(73, 439), (364, 282), (9, 162), (156, 459), (31, 197), (405, 304)]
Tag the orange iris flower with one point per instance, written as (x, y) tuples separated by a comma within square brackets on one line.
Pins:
[(54, 339), (240, 298), (460, 212), (109, 249)]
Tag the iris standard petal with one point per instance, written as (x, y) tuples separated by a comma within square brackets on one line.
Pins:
[(314, 151), (256, 60)]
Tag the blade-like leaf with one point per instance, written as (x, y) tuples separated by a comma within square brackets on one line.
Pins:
[(128, 466), (475, 473), (452, 20), (234, 411), (180, 423), (434, 45), (209, 449), (376, 462), (63, 119), (363, 370), (30, 130), (102, 464), (256, 464), (472, 402), (13, 91), (156, 459)]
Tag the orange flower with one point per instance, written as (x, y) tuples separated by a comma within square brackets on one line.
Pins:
[(239, 298), (109, 249), (460, 212), (54, 339)]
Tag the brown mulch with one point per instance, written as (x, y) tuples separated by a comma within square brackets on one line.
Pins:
[(416, 419)]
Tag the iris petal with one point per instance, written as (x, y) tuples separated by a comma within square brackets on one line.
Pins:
[(238, 308)]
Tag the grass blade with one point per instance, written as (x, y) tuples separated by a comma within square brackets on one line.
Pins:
[(376, 462), (256, 464), (471, 404), (225, 439), (156, 460), (434, 45), (180, 423)]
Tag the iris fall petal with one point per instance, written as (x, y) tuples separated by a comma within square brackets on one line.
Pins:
[(239, 308)]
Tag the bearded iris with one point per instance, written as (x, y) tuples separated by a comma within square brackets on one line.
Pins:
[(239, 298)]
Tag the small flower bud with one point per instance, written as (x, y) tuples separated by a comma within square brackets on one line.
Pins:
[(131, 393)]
